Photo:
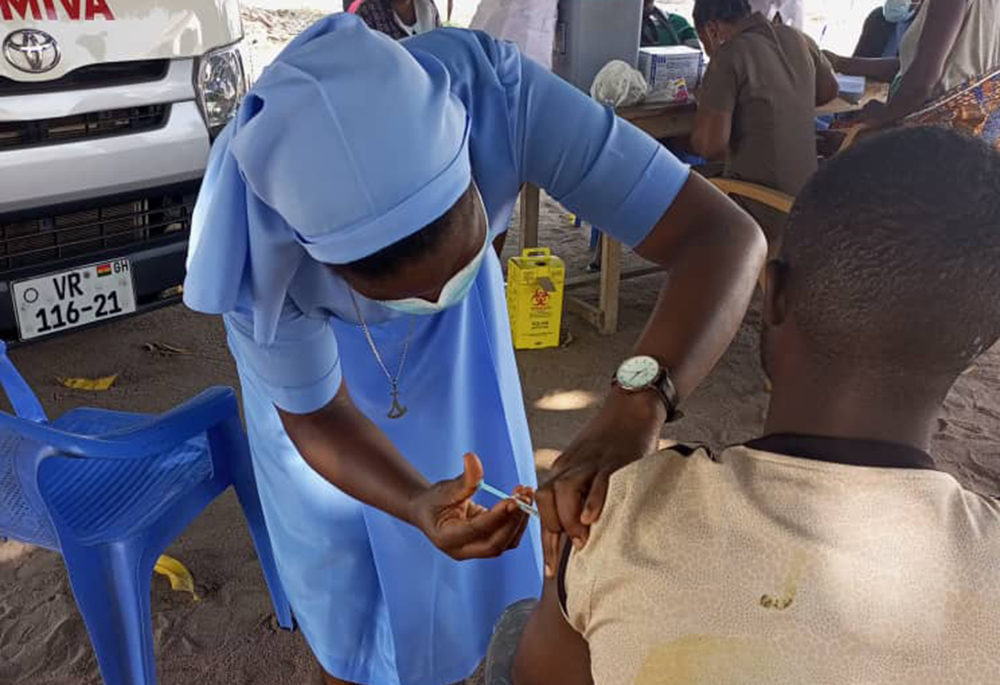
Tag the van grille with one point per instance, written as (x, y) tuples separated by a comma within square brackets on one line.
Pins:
[(114, 122), (107, 75), (33, 240)]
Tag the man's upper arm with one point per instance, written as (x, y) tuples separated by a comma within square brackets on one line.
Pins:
[(595, 163), (300, 370), (551, 650)]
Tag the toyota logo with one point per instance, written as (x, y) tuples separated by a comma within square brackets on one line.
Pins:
[(31, 51)]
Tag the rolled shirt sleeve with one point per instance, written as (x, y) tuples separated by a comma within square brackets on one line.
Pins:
[(594, 163), (721, 85), (300, 371)]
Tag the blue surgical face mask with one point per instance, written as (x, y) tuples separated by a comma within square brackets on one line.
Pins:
[(897, 11), (453, 292)]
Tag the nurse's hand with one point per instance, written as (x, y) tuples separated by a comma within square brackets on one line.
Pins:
[(626, 429), (463, 529)]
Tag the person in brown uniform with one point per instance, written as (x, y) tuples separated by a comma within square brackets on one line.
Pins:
[(757, 103)]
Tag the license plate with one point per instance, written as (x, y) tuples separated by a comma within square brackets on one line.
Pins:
[(69, 299)]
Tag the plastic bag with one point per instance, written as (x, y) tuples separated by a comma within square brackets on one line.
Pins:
[(619, 85), (180, 578), (92, 384), (529, 24)]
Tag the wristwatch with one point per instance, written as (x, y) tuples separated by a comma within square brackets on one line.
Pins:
[(642, 373)]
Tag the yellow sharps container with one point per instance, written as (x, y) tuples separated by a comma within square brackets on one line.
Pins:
[(535, 284)]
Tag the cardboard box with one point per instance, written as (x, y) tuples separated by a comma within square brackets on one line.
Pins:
[(663, 67)]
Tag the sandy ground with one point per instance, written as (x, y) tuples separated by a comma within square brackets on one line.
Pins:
[(229, 636)]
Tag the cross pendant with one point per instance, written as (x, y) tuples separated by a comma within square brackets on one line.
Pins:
[(396, 411)]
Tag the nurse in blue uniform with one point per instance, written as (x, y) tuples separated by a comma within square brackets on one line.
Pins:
[(344, 231)]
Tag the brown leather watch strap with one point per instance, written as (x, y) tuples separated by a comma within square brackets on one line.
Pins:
[(668, 393)]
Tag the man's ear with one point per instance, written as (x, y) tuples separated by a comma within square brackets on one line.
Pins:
[(775, 293)]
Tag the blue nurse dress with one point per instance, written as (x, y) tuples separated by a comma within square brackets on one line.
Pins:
[(376, 601)]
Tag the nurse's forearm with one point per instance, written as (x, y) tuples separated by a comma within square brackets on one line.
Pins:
[(343, 446), (713, 253)]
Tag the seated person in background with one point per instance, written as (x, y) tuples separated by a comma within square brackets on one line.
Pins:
[(884, 29), (757, 102), (665, 29), (398, 19), (950, 42), (881, 37), (830, 551)]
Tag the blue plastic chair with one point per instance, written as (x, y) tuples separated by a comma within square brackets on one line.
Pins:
[(110, 491)]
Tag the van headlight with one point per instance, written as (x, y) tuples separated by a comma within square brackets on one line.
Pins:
[(221, 84)]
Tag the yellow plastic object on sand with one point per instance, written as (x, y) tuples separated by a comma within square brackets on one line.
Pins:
[(535, 284), (92, 384), (179, 577)]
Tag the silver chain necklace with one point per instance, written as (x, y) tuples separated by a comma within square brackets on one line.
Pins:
[(397, 410)]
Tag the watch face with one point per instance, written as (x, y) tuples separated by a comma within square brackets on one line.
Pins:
[(637, 373)]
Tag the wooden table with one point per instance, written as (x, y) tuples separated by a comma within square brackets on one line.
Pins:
[(873, 91), (659, 121)]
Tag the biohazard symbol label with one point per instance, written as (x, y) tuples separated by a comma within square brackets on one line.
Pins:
[(540, 300)]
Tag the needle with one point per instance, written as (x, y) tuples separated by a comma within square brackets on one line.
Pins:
[(500, 494)]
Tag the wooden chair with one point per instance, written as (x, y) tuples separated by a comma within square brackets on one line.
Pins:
[(851, 136), (752, 191)]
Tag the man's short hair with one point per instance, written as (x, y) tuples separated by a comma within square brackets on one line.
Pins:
[(893, 250)]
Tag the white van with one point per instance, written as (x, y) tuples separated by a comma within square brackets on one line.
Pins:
[(107, 112)]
